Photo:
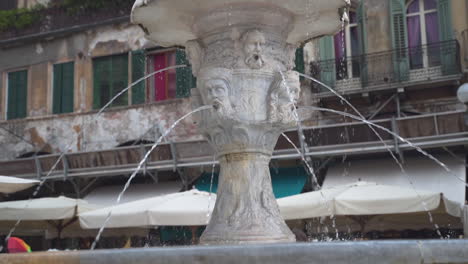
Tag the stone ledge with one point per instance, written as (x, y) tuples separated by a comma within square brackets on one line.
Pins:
[(372, 252)]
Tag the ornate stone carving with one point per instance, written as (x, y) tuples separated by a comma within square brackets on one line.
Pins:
[(284, 94), (215, 87), (253, 42), (240, 48)]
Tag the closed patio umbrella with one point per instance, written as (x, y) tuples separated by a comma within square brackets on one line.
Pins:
[(42, 213), (13, 184), (190, 208), (363, 198)]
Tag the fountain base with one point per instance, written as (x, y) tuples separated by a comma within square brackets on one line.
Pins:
[(399, 251), (246, 211)]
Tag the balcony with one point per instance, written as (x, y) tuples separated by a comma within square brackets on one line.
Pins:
[(425, 131), (45, 22), (437, 62)]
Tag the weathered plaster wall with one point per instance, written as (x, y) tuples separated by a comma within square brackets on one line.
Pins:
[(82, 130), (80, 48), (88, 132), (37, 92)]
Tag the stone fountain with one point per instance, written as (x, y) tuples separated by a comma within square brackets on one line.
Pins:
[(242, 53)]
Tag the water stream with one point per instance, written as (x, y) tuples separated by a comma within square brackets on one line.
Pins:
[(325, 201), (142, 162), (431, 219), (211, 186)]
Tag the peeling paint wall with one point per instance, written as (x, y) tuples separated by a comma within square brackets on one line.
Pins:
[(123, 38), (85, 131), (38, 58), (82, 130), (88, 132)]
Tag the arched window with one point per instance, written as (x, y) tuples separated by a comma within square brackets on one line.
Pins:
[(346, 45), (423, 33)]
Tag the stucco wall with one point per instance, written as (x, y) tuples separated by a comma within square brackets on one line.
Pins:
[(88, 132), (82, 130), (39, 57)]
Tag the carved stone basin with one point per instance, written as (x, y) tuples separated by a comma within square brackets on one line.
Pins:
[(174, 22), (242, 53)]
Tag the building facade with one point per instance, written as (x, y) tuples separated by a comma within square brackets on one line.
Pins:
[(398, 62)]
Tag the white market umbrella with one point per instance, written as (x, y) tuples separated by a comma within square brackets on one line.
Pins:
[(56, 208), (12, 184), (37, 214), (190, 208), (363, 198)]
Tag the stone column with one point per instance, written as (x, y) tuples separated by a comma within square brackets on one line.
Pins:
[(238, 72)]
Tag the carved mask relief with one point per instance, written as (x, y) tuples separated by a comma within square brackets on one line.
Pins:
[(253, 47), (215, 88), (284, 95)]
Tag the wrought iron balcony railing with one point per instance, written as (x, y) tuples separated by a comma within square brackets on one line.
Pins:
[(57, 18), (389, 69)]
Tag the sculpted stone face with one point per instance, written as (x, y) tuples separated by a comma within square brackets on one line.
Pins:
[(217, 93), (283, 97), (254, 42), (292, 89)]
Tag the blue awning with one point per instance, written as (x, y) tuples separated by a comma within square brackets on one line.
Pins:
[(285, 181)]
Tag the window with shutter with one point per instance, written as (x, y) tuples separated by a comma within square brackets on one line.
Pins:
[(448, 50), (299, 61), (327, 57), (171, 83), (362, 41), (110, 76), (399, 39), (17, 94), (138, 72), (63, 88), (184, 77)]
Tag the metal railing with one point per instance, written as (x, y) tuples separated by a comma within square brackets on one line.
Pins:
[(433, 130), (58, 18), (389, 68)]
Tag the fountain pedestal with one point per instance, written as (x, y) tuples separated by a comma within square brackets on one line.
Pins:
[(242, 53)]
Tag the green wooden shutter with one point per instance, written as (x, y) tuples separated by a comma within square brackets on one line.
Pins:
[(12, 88), (17, 94), (299, 61), (138, 71), (362, 38), (100, 69), (63, 86), (68, 81), (119, 79), (399, 39), (448, 47), (110, 77), (327, 58), (22, 95), (445, 20), (57, 89), (184, 77)]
